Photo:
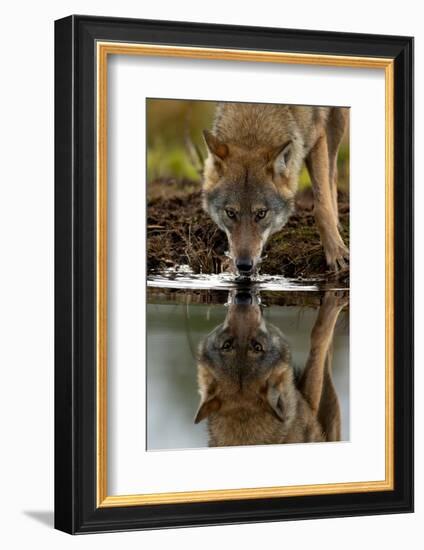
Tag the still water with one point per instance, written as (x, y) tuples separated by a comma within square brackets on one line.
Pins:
[(240, 333)]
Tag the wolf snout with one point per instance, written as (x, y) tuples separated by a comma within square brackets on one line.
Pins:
[(244, 265), (243, 298)]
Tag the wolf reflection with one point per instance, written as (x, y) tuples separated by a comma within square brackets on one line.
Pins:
[(250, 392)]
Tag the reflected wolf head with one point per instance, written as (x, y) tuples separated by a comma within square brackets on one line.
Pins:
[(244, 375), (249, 193)]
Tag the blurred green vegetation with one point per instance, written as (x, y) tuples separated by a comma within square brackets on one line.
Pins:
[(169, 162), (170, 123)]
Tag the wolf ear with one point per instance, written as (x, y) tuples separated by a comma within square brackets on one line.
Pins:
[(275, 401), (206, 408), (216, 147), (280, 158)]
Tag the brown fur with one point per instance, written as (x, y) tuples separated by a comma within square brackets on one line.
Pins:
[(251, 397), (256, 153)]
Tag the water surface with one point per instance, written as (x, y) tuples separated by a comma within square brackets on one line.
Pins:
[(184, 278), (179, 320)]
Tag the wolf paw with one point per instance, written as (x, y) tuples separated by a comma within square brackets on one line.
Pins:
[(335, 300), (337, 257)]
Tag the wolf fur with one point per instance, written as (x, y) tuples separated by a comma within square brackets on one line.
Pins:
[(249, 392), (255, 156)]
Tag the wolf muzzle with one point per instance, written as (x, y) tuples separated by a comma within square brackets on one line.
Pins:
[(244, 265)]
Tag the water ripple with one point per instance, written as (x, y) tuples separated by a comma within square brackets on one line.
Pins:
[(184, 278)]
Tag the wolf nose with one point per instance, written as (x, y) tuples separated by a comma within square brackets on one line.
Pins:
[(243, 299), (244, 265)]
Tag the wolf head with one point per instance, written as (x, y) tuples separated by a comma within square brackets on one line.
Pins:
[(244, 365), (249, 193)]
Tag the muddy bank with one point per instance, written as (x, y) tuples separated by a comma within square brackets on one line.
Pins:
[(180, 232)]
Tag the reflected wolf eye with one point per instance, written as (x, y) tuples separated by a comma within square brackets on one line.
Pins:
[(257, 347), (230, 213), (260, 214), (227, 345)]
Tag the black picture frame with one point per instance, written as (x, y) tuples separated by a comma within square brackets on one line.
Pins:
[(75, 275)]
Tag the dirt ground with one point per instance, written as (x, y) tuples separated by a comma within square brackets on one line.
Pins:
[(180, 232)]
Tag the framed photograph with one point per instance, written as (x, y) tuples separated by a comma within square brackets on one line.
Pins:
[(234, 278)]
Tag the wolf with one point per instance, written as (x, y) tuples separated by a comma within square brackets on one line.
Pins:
[(255, 155), (250, 392)]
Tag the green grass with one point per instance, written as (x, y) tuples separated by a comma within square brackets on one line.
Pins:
[(169, 162)]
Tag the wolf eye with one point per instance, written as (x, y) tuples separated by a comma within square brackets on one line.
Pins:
[(257, 347), (226, 345), (260, 214), (230, 213)]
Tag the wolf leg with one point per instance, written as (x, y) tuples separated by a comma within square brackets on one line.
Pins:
[(336, 127), (317, 163), (314, 382), (329, 407)]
